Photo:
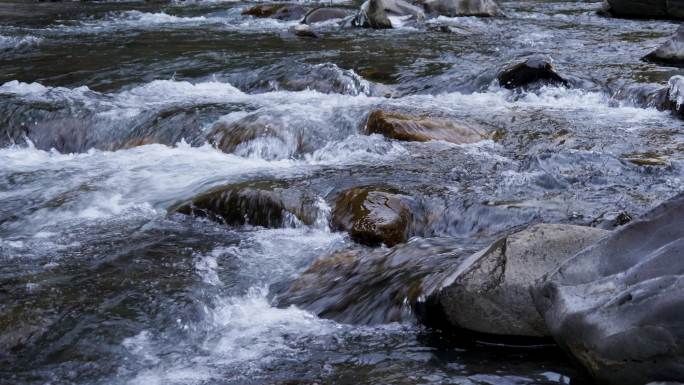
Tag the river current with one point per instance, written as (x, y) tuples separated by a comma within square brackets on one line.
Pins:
[(104, 112)]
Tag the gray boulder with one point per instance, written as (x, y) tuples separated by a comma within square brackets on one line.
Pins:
[(453, 8), (617, 306), (645, 9), (376, 13), (320, 15), (490, 290), (672, 52)]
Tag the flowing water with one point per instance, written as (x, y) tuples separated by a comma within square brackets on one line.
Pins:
[(104, 112)]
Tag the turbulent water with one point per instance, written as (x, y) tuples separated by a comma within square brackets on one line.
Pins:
[(104, 112)]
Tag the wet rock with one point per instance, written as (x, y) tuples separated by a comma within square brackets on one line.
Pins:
[(376, 13), (645, 9), (454, 8), (303, 30), (325, 78), (421, 129), (489, 292), (671, 52), (263, 203), (373, 216), (320, 15), (662, 98), (534, 72), (617, 305), (372, 286), (256, 134), (277, 11), (612, 219)]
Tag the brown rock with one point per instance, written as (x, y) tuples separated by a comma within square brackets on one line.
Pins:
[(261, 203), (373, 216), (420, 129), (276, 11)]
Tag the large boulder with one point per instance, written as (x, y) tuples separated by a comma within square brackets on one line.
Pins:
[(671, 52), (373, 216), (454, 8), (421, 129), (376, 13), (320, 15), (645, 9), (535, 71), (260, 203), (490, 290), (617, 305), (284, 12)]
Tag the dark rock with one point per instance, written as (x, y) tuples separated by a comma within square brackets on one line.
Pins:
[(662, 98), (617, 305), (489, 291), (612, 219), (421, 129), (376, 13), (372, 286), (262, 203), (277, 11), (373, 216), (671, 52), (533, 72), (454, 8), (320, 15), (645, 9)]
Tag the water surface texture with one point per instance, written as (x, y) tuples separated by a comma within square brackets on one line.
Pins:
[(104, 112)]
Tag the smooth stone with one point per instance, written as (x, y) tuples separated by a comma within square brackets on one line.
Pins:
[(490, 291), (534, 71), (455, 8), (373, 216), (420, 129), (320, 15), (286, 12), (617, 305), (671, 52), (376, 13), (262, 203)]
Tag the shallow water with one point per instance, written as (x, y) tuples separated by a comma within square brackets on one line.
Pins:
[(100, 284)]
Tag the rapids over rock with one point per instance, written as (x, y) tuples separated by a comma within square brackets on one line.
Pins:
[(259, 193)]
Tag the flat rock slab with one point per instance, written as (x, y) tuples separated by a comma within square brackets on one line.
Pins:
[(490, 291)]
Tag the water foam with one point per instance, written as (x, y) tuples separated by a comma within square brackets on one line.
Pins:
[(17, 42)]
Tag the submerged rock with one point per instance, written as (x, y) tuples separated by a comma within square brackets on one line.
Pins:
[(671, 52), (277, 11), (535, 71), (489, 292), (303, 30), (320, 15), (454, 8), (617, 305), (421, 129), (257, 134), (662, 98), (262, 203), (376, 13), (372, 287), (645, 9), (373, 216)]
